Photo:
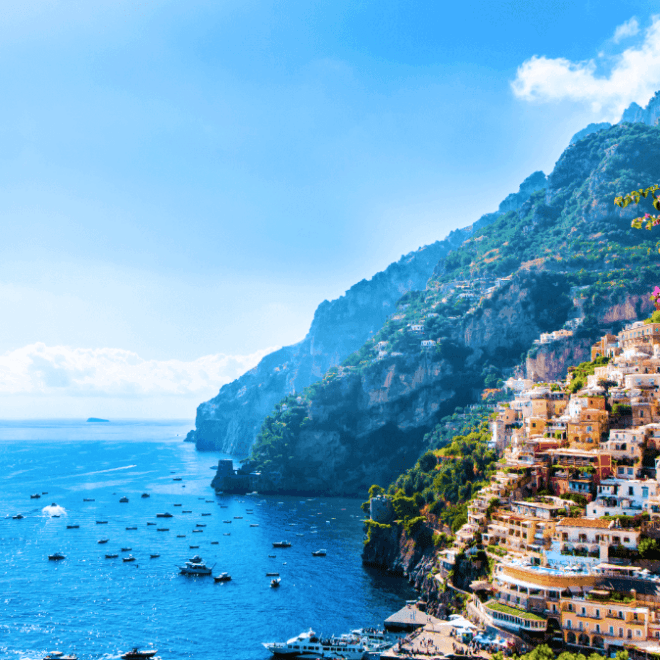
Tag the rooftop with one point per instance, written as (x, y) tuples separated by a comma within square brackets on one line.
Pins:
[(595, 523)]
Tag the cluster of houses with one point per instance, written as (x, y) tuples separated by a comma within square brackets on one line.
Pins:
[(576, 491)]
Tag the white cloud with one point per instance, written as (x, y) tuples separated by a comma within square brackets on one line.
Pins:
[(634, 76), (38, 369), (628, 29)]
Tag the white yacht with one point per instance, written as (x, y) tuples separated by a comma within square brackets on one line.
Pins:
[(195, 566), (311, 645)]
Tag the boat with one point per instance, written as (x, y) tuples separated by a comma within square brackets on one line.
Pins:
[(186, 511), (320, 553), (150, 523), (272, 575), (102, 541), (206, 514), (193, 547), (126, 549), (177, 505), (111, 556), (123, 500), (128, 529), (272, 556), (136, 654), (129, 558), (236, 517), (58, 655), (255, 525), (200, 525), (55, 515), (154, 556), (209, 501), (56, 557), (88, 499), (145, 495), (275, 582), (227, 534), (214, 542), (73, 526), (224, 506), (101, 522), (162, 529), (227, 521), (177, 479), (18, 516), (281, 544), (197, 531), (195, 566), (35, 496), (311, 645), (181, 536), (164, 515), (223, 577)]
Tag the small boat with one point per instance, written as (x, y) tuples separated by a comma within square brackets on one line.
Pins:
[(236, 517), (73, 526), (195, 566), (181, 536), (18, 516), (200, 525), (223, 577), (255, 525), (299, 534), (145, 495), (126, 549), (186, 511), (154, 556), (150, 523), (227, 521), (197, 531), (128, 529), (193, 547), (209, 501), (136, 654), (272, 556), (177, 505), (206, 514), (129, 558), (55, 515), (162, 529), (214, 542), (58, 655), (102, 541), (177, 479), (35, 496), (275, 582), (44, 492), (123, 500), (101, 522), (164, 515), (56, 557), (320, 553), (272, 575), (224, 506), (227, 534), (281, 544), (88, 499), (111, 556)]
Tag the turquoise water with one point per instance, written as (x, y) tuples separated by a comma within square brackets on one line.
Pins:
[(101, 607)]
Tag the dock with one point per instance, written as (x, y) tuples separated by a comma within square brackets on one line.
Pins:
[(409, 618)]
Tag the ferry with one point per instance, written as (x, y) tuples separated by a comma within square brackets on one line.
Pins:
[(310, 645), (195, 566)]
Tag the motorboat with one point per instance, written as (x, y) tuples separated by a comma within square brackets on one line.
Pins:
[(177, 505), (275, 582), (200, 525), (111, 556), (162, 529), (227, 534), (154, 556), (56, 556), (272, 556), (128, 529), (281, 544), (126, 549), (101, 522), (223, 577), (145, 495), (123, 500), (58, 655), (181, 536), (272, 575), (255, 525), (311, 645), (136, 654), (88, 499), (18, 516), (224, 506), (209, 501), (151, 523), (197, 531), (164, 515), (193, 547), (186, 511), (101, 541), (236, 517), (320, 553), (176, 478), (35, 496), (227, 521), (73, 526), (129, 558), (214, 542), (206, 514), (195, 566)]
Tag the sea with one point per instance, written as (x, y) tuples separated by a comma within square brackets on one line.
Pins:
[(99, 608)]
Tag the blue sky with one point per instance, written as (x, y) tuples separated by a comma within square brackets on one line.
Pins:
[(181, 184)]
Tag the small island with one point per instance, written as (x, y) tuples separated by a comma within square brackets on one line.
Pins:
[(97, 419)]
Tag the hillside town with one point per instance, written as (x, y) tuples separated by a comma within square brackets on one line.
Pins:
[(570, 520)]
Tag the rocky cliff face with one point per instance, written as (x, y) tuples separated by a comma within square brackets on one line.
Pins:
[(230, 421), (648, 115)]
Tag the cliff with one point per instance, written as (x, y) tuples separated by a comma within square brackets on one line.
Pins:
[(230, 421), (566, 253)]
